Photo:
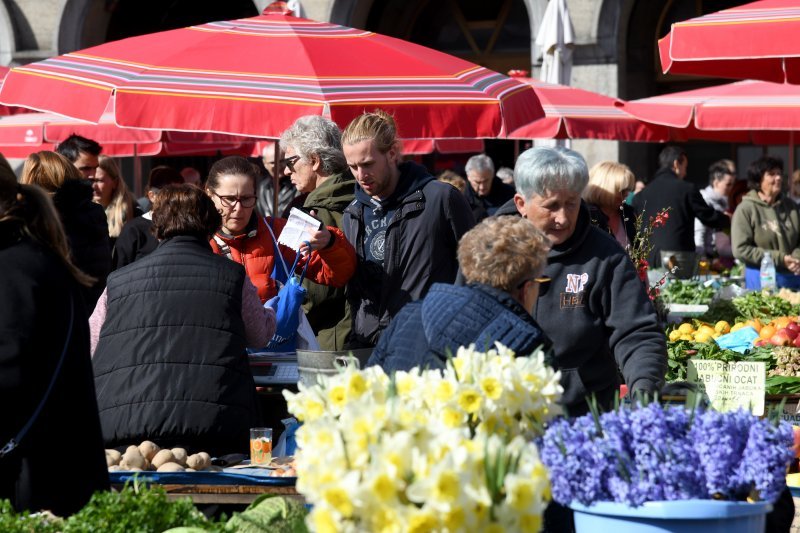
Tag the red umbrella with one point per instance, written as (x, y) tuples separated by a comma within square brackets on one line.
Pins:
[(255, 76), (442, 146), (23, 134), (753, 41), (744, 111), (4, 109), (572, 113)]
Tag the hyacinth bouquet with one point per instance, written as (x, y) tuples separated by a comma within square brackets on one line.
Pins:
[(427, 450), (657, 453)]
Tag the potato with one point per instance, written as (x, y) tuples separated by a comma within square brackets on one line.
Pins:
[(149, 449), (113, 457), (114, 468), (205, 456), (133, 458), (190, 470), (170, 467), (180, 456), (163, 457), (198, 461)]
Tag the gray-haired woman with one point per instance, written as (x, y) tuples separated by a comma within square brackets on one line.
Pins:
[(317, 167)]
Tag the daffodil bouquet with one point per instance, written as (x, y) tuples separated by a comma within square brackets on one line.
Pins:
[(427, 450)]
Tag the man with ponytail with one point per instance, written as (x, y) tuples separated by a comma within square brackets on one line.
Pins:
[(404, 225)]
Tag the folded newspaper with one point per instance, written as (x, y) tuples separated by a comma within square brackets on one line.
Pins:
[(298, 229)]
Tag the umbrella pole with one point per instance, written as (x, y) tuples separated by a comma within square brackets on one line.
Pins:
[(137, 173), (276, 182)]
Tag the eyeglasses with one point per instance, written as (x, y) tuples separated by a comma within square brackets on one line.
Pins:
[(290, 161), (542, 279), (230, 201)]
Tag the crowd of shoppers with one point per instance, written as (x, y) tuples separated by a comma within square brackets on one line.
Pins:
[(168, 302)]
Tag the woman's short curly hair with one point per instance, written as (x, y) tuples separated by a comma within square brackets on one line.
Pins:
[(502, 252), (184, 210)]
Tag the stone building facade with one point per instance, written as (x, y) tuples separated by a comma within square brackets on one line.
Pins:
[(614, 54)]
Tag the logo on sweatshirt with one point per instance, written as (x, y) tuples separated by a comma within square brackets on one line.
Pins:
[(576, 282), (574, 295)]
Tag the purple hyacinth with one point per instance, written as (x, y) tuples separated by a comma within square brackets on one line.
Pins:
[(653, 452), (767, 453)]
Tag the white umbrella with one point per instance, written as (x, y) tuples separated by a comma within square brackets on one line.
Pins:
[(555, 41)]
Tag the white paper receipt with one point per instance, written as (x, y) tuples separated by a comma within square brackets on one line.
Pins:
[(298, 229)]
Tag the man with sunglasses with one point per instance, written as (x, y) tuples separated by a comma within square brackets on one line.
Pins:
[(595, 308), (288, 196)]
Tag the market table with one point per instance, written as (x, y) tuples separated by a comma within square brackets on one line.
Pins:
[(231, 486)]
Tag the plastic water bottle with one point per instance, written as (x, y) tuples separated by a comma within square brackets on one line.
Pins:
[(767, 272)]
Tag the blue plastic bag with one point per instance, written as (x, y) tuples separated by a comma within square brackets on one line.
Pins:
[(740, 340), (289, 305)]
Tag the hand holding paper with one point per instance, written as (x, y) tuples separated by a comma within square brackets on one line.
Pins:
[(301, 227)]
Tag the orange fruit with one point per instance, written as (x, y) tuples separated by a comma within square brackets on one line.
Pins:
[(755, 324), (767, 331), (781, 322)]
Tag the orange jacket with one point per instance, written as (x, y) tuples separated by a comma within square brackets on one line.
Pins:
[(254, 250)]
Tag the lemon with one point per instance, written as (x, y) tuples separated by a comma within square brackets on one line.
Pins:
[(706, 329), (722, 327), (686, 337), (703, 336), (674, 335), (737, 326), (686, 327)]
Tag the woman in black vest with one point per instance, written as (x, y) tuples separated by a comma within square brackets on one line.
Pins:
[(170, 362), (45, 370)]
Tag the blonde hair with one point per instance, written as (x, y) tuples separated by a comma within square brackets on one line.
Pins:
[(378, 126), (48, 170), (29, 211), (606, 180), (451, 178), (120, 208), (502, 252)]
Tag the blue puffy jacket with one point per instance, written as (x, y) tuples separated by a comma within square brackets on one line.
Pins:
[(427, 331)]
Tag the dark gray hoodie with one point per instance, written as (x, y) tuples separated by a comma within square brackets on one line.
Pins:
[(599, 318), (418, 248)]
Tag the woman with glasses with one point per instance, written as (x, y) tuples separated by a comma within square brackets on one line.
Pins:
[(247, 238), (767, 222), (502, 260), (609, 185)]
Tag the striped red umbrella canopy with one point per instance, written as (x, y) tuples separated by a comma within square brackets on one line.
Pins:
[(4, 109), (746, 111), (255, 76), (754, 41), (572, 113), (25, 133)]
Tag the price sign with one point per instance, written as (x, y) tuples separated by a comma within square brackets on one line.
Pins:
[(730, 386)]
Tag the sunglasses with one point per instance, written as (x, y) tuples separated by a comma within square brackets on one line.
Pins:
[(230, 201), (290, 161), (537, 280)]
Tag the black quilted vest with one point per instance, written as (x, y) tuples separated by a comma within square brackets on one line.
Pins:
[(171, 364)]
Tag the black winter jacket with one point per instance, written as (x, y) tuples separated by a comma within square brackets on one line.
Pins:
[(35, 292), (597, 313), (426, 332), (86, 227), (170, 365), (627, 216), (685, 203), (420, 249)]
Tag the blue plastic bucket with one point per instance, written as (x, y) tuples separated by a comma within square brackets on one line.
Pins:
[(680, 516)]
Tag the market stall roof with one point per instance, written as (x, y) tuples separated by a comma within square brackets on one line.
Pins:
[(753, 41)]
